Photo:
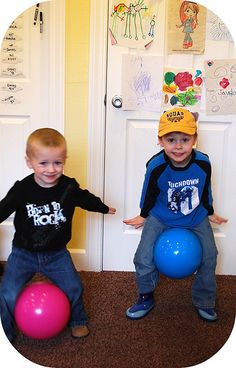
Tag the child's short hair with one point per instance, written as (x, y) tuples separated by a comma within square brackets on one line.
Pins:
[(46, 137), (178, 120)]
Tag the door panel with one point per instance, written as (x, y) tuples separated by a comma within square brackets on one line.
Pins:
[(131, 139), (27, 95)]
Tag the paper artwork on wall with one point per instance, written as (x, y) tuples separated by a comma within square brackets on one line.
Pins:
[(186, 27), (142, 82), (182, 88), (220, 77), (216, 29), (133, 24)]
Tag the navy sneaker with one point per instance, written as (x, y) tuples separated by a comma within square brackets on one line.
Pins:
[(207, 314), (143, 306)]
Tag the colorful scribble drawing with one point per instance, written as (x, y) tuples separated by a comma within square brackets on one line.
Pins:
[(182, 88), (132, 17), (141, 84), (188, 16)]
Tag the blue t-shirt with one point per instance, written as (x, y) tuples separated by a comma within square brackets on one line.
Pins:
[(177, 196)]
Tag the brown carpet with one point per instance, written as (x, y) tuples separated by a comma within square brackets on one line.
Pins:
[(171, 336)]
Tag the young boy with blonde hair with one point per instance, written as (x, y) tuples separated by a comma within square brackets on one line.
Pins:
[(176, 170), (44, 204)]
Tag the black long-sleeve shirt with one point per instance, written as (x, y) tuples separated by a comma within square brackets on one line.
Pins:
[(43, 216)]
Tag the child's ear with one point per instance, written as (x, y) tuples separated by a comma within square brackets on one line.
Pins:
[(28, 162), (160, 141), (196, 115), (195, 139)]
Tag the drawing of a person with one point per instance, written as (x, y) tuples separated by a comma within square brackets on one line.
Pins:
[(152, 26), (188, 16)]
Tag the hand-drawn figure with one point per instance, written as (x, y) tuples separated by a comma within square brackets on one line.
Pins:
[(189, 21), (119, 13), (132, 12), (152, 27), (132, 17)]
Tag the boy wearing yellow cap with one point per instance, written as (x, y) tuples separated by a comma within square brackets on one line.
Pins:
[(176, 193)]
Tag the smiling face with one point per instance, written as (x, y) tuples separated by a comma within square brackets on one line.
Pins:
[(190, 13), (47, 164), (178, 147)]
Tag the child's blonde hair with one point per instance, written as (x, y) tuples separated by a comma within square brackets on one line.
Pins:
[(46, 137)]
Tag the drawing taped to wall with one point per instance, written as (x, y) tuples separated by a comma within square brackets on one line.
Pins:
[(186, 27), (133, 24), (141, 82), (188, 14), (182, 88), (220, 78), (216, 29)]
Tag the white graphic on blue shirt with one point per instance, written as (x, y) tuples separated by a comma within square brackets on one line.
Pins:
[(183, 200), (48, 214)]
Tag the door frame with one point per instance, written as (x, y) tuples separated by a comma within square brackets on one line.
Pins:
[(92, 259), (56, 77)]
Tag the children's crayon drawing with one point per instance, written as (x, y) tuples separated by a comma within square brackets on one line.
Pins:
[(141, 82), (186, 27), (182, 88), (216, 29), (133, 24), (220, 77)]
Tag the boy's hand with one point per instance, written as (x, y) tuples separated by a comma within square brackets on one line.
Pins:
[(137, 221), (217, 219), (111, 211)]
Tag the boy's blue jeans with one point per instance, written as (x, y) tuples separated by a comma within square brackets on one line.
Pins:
[(55, 265), (204, 283)]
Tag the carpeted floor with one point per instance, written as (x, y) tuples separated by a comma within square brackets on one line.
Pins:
[(171, 336)]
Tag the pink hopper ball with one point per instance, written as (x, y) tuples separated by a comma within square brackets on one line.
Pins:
[(42, 310)]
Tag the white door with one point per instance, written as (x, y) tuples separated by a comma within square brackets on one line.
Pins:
[(31, 81), (131, 139)]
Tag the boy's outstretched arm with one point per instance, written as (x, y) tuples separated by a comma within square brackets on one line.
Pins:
[(137, 221), (217, 219)]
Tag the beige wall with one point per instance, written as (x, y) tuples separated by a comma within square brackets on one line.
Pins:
[(76, 104)]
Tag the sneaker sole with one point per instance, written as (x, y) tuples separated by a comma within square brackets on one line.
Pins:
[(80, 337), (203, 315), (139, 314)]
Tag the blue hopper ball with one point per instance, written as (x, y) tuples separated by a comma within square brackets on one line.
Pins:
[(177, 253)]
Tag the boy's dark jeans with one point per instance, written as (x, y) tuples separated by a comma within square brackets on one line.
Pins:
[(56, 265)]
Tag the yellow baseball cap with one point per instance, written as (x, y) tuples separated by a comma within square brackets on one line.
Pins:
[(177, 120)]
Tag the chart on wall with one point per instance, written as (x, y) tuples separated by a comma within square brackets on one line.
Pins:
[(11, 64)]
